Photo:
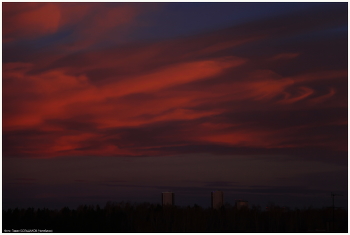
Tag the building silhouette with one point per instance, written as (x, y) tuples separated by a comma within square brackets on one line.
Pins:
[(217, 199), (168, 199), (241, 204)]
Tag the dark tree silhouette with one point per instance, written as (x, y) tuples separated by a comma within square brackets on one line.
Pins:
[(146, 217)]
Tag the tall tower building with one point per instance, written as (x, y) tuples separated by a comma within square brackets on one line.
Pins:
[(167, 199), (217, 199)]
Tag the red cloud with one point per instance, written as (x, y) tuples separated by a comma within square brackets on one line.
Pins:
[(60, 96), (152, 98), (59, 90), (303, 92), (33, 20), (30, 20), (65, 97), (323, 98)]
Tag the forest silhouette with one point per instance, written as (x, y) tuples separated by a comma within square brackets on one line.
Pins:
[(146, 217)]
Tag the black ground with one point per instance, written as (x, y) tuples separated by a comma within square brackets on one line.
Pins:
[(126, 217)]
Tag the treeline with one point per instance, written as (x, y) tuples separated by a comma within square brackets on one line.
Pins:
[(126, 217)]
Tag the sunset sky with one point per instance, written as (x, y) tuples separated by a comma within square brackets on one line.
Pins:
[(121, 101)]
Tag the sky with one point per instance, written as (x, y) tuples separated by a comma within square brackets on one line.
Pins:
[(122, 101)]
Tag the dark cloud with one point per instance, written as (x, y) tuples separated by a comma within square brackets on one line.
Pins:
[(77, 123)]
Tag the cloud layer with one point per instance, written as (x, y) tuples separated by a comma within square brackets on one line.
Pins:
[(276, 84)]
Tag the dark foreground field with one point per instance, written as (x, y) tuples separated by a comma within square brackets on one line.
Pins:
[(126, 217)]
